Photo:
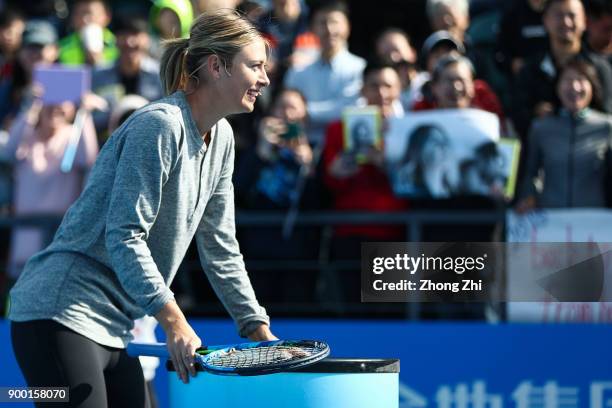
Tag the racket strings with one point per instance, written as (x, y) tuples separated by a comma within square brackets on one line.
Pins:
[(262, 356)]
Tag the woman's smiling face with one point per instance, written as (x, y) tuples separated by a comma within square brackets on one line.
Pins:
[(244, 81), (575, 90)]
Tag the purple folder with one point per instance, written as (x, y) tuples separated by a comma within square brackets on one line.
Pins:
[(62, 83)]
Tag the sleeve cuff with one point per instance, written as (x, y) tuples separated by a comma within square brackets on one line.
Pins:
[(250, 323), (158, 302)]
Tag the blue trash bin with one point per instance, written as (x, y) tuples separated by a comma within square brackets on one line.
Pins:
[(330, 383)]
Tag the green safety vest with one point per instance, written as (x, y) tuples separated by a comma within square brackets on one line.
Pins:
[(72, 52)]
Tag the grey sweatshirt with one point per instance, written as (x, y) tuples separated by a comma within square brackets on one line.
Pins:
[(574, 154), (153, 188)]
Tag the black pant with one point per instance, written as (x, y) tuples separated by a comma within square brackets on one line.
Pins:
[(51, 355)]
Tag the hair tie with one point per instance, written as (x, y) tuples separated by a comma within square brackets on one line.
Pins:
[(183, 75)]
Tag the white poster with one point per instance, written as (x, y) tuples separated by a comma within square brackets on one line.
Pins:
[(561, 226), (447, 152)]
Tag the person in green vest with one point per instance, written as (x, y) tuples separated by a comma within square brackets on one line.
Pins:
[(169, 19), (91, 43)]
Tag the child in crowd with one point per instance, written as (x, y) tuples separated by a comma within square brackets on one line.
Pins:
[(37, 141)]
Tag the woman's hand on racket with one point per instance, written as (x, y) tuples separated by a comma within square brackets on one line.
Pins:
[(182, 341), (262, 333)]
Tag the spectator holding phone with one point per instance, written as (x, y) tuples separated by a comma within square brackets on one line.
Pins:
[(281, 150)]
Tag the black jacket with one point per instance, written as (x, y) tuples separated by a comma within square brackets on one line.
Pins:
[(536, 83), (521, 34)]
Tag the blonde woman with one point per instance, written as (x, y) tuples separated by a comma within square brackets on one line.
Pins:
[(162, 178)]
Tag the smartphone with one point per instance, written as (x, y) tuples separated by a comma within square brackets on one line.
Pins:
[(293, 130)]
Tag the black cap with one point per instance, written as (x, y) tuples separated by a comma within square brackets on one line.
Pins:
[(438, 38)]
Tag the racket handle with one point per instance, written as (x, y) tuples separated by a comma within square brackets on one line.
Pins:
[(148, 349), (136, 349)]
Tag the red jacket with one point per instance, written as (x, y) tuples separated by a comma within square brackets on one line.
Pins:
[(368, 190)]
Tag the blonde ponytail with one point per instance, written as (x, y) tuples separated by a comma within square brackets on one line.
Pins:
[(223, 33), (172, 66)]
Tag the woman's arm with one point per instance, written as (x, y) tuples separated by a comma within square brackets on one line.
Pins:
[(181, 340), (144, 157), (222, 261)]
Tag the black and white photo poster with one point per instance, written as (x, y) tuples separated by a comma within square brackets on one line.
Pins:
[(444, 153)]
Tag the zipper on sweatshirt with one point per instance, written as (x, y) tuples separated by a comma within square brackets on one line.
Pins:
[(198, 196), (204, 154)]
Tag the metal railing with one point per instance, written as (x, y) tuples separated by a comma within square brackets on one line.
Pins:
[(414, 221)]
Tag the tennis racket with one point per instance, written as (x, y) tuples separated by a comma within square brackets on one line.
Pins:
[(264, 357)]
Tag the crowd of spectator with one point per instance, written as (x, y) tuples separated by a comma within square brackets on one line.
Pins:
[(542, 67)]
